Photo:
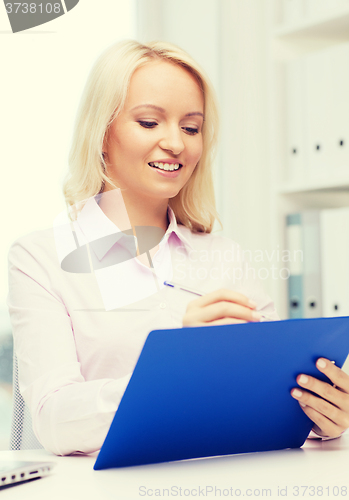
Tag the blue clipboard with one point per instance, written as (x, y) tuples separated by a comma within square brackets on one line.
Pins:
[(220, 390)]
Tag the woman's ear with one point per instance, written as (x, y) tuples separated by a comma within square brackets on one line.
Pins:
[(105, 147)]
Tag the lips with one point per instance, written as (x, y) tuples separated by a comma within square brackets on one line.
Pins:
[(167, 167)]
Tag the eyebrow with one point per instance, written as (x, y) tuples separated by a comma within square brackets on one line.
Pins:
[(161, 110)]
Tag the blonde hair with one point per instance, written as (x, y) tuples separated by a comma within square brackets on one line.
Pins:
[(102, 100)]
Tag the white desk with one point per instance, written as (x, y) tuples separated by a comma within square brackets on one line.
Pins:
[(317, 464)]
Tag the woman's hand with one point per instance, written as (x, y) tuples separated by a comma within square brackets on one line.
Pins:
[(221, 307), (330, 411)]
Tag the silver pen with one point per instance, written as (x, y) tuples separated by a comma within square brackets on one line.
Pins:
[(172, 284)]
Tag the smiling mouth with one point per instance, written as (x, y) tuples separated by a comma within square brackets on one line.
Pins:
[(168, 167)]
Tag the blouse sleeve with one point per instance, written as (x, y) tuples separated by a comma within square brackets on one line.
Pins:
[(69, 414)]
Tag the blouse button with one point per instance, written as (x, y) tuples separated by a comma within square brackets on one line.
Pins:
[(163, 305)]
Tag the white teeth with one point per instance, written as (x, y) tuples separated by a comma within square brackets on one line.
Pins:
[(165, 166)]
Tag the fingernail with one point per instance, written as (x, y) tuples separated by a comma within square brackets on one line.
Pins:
[(256, 316), (303, 379), (321, 363), (297, 393), (252, 304), (302, 404)]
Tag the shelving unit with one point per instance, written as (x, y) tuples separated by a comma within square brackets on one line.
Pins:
[(333, 26), (286, 43)]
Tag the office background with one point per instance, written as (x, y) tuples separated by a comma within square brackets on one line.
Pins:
[(245, 47)]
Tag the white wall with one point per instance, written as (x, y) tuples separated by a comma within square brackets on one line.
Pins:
[(43, 72), (192, 24), (229, 39), (245, 166)]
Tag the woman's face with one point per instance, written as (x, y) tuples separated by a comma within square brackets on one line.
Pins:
[(159, 128)]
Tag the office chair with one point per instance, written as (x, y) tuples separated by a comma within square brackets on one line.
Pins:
[(22, 434)]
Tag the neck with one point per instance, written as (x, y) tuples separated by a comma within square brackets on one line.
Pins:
[(122, 208)]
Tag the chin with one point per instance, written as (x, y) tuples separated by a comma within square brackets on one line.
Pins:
[(166, 193), (172, 194)]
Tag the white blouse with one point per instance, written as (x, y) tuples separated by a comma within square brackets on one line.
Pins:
[(78, 335)]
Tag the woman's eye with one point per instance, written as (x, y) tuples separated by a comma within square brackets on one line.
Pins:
[(146, 124), (191, 130)]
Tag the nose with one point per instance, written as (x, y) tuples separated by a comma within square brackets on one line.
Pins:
[(172, 140)]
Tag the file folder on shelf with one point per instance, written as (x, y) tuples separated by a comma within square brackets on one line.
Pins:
[(304, 245), (312, 287), (335, 261), (219, 390), (296, 133), (294, 245), (338, 98), (318, 110)]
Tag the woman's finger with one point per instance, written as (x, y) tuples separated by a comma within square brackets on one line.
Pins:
[(323, 426), (326, 391), (222, 304), (226, 321), (326, 405), (223, 294), (328, 410), (339, 378), (224, 309)]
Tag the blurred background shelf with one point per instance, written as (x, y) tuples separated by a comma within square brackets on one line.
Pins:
[(300, 33), (331, 26), (325, 185)]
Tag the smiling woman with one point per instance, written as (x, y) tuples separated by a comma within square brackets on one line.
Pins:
[(155, 142), (140, 167), (159, 88)]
